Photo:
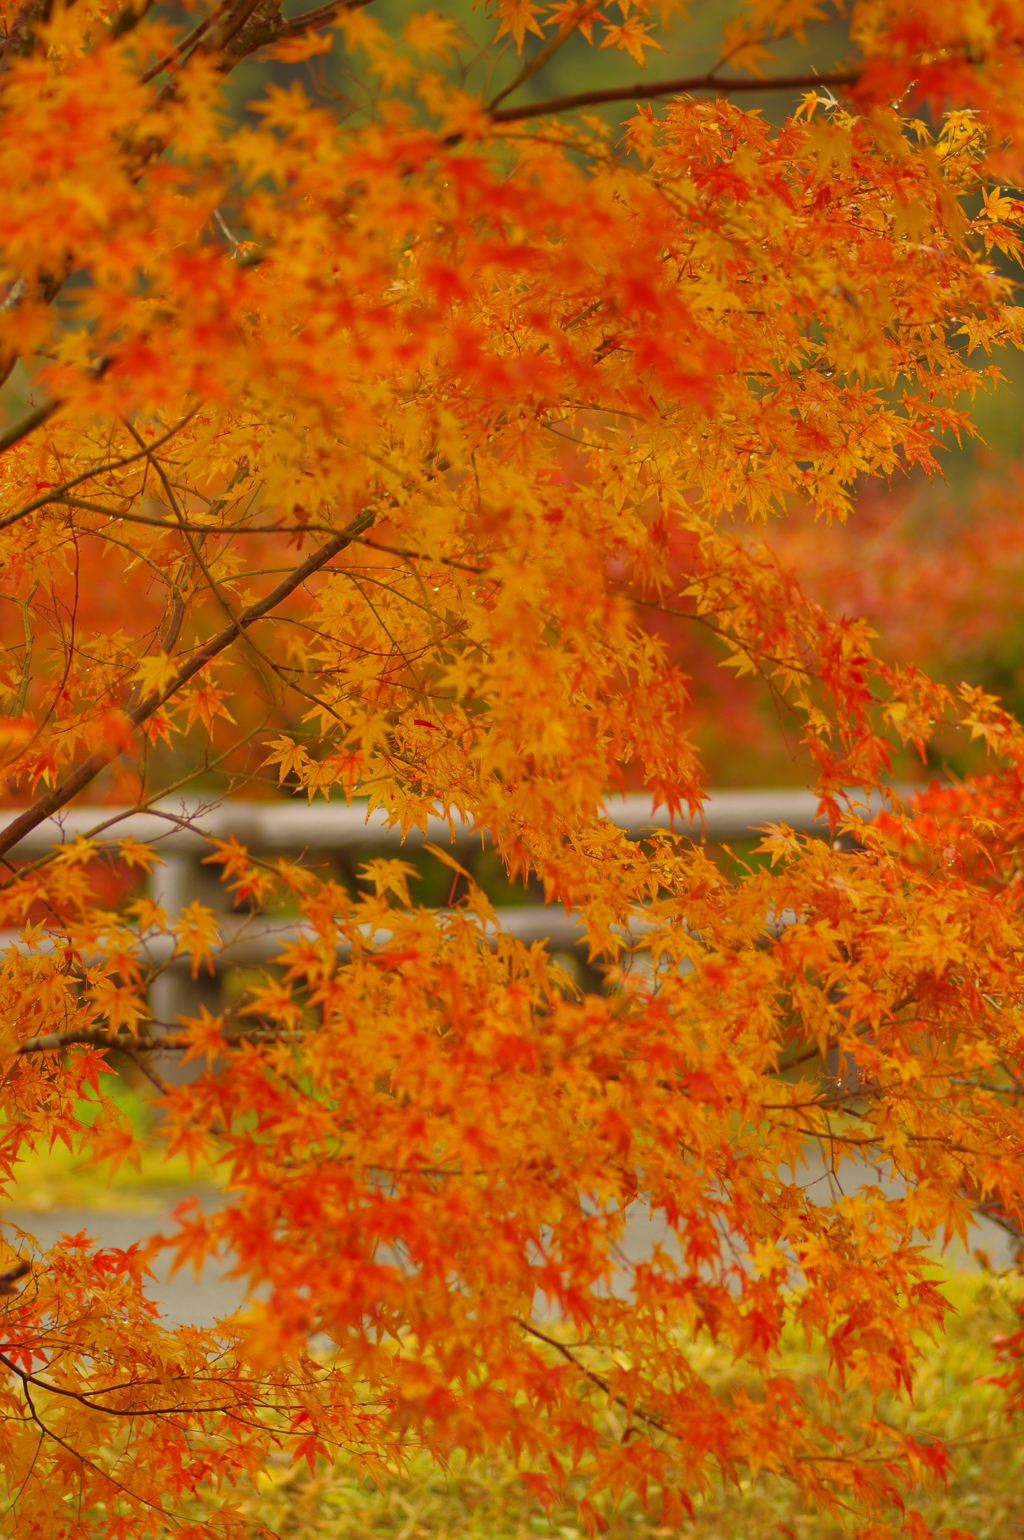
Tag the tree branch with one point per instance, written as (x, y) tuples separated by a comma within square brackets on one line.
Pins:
[(129, 17), (52, 801), (262, 25), (228, 24), (28, 424), (297, 25), (654, 1420), (547, 52), (643, 90), (54, 494), (21, 38), (99, 1037)]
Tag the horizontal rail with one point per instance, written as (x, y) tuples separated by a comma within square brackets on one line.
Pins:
[(181, 830), (247, 941), (186, 826)]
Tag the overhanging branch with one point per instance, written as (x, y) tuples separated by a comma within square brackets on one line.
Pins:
[(644, 90), (171, 1042), (52, 801)]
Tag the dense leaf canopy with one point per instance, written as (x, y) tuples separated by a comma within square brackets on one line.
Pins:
[(365, 445)]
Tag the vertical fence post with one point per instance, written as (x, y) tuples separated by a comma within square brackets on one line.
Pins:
[(173, 884)]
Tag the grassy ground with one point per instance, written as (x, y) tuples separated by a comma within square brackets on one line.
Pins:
[(56, 1178), (985, 1495)]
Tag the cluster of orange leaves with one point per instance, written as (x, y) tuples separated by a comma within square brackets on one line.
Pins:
[(363, 454)]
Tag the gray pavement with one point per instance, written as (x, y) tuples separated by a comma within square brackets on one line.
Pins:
[(188, 1300), (184, 1299)]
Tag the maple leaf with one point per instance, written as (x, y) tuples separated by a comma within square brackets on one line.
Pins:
[(428, 32), (112, 1143), (204, 705), (77, 851), (291, 759), (204, 1035), (134, 854), (743, 46), (197, 934), (159, 725), (154, 674), (390, 877), (632, 37), (118, 1003), (296, 50), (231, 856), (516, 18)]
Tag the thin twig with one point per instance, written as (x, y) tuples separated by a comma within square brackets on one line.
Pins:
[(233, 530), (547, 52), (179, 49), (99, 1037), (317, 18), (596, 1379)]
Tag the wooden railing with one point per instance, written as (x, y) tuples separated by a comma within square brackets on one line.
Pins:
[(180, 830)]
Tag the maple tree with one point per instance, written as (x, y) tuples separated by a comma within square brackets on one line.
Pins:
[(375, 449)]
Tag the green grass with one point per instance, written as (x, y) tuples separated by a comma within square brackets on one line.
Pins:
[(56, 1177)]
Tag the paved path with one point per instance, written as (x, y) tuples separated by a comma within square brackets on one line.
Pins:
[(187, 1300), (184, 1299)]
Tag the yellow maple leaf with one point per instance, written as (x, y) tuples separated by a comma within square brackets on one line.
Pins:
[(290, 758), (517, 17), (743, 46), (155, 673), (429, 32), (134, 854), (197, 934)]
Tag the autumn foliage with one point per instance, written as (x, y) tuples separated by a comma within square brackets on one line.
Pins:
[(395, 454)]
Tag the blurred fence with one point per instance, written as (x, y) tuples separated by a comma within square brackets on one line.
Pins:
[(180, 830)]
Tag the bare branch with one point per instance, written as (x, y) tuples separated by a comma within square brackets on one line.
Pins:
[(179, 49), (28, 424), (55, 494), (170, 1042), (21, 39), (655, 1421), (9, 1278), (229, 23), (541, 58), (128, 18), (643, 90), (235, 530), (298, 25)]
